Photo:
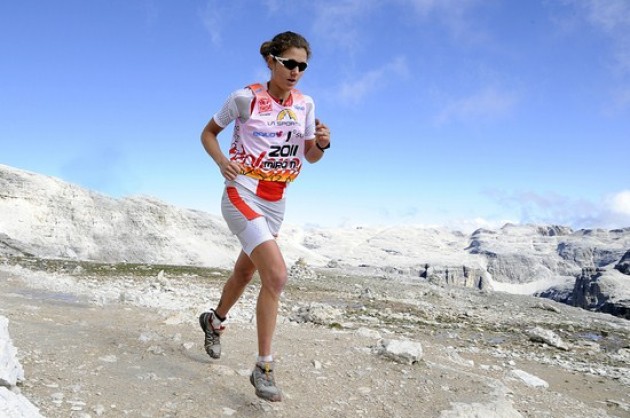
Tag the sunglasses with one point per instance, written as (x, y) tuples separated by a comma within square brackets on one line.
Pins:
[(290, 64)]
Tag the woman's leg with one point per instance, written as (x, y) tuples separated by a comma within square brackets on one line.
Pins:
[(242, 274), (210, 322), (273, 276)]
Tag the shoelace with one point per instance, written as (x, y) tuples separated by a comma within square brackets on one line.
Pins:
[(267, 370)]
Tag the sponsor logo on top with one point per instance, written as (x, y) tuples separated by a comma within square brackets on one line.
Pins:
[(268, 134), (286, 117), (264, 105)]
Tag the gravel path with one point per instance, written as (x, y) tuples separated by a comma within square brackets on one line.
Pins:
[(87, 353)]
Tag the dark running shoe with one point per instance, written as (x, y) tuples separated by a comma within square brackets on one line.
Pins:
[(212, 340), (263, 380)]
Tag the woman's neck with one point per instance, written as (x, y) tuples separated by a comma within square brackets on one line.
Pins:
[(278, 95)]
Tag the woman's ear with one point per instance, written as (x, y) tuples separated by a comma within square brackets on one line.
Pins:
[(269, 61)]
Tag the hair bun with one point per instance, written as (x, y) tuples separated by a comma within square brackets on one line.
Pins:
[(265, 48), (283, 41)]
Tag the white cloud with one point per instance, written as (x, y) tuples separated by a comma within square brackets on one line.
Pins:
[(470, 225), (488, 103), (620, 203), (346, 23), (212, 20), (355, 90), (551, 208), (443, 7), (453, 14), (341, 21), (613, 18), (610, 17), (274, 5), (622, 96)]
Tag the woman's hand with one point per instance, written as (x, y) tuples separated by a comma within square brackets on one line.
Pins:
[(230, 169), (322, 134)]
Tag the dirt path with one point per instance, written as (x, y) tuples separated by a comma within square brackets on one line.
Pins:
[(116, 360)]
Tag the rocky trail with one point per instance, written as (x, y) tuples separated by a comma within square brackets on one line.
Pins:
[(116, 344)]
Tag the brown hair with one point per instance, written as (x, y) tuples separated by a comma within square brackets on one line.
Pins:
[(283, 41)]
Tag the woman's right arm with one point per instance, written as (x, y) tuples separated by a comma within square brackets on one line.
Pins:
[(229, 169)]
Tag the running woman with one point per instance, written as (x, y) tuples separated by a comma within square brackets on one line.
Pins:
[(275, 130)]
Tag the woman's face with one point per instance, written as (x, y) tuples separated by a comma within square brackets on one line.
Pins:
[(281, 76)]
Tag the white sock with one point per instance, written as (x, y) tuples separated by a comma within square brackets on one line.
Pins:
[(265, 359), (216, 322)]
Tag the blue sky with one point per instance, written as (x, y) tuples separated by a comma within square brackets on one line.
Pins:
[(462, 113)]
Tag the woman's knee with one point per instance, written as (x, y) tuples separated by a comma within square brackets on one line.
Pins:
[(244, 269), (271, 267), (243, 275), (275, 281)]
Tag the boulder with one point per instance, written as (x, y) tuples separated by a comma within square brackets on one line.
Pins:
[(316, 313), (12, 403), (15, 405), (401, 351), (529, 379), (11, 371), (538, 334)]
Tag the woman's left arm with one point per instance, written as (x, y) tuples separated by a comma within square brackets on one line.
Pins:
[(314, 148)]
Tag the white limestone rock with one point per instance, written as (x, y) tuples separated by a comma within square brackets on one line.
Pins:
[(401, 351), (15, 405), (11, 370), (529, 379), (538, 334), (12, 404), (301, 271), (368, 333), (498, 409), (316, 313)]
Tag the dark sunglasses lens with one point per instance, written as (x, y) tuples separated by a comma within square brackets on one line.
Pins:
[(291, 64)]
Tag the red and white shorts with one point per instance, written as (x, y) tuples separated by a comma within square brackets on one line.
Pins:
[(251, 218)]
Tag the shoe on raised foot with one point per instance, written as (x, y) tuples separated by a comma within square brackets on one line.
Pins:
[(263, 380), (212, 340)]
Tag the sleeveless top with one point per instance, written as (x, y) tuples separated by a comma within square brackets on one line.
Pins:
[(268, 138)]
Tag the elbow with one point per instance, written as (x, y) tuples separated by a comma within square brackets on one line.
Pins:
[(206, 137), (311, 159)]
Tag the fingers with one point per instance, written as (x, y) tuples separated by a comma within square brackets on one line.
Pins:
[(231, 170), (322, 133), (321, 128)]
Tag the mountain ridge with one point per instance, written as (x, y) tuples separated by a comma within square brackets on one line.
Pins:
[(46, 217)]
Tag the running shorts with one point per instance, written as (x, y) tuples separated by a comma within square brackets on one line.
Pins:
[(251, 218)]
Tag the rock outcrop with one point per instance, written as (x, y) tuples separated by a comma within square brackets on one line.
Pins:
[(49, 218), (12, 403), (624, 264), (461, 276), (598, 290)]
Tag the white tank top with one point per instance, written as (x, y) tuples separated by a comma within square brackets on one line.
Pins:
[(268, 138)]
